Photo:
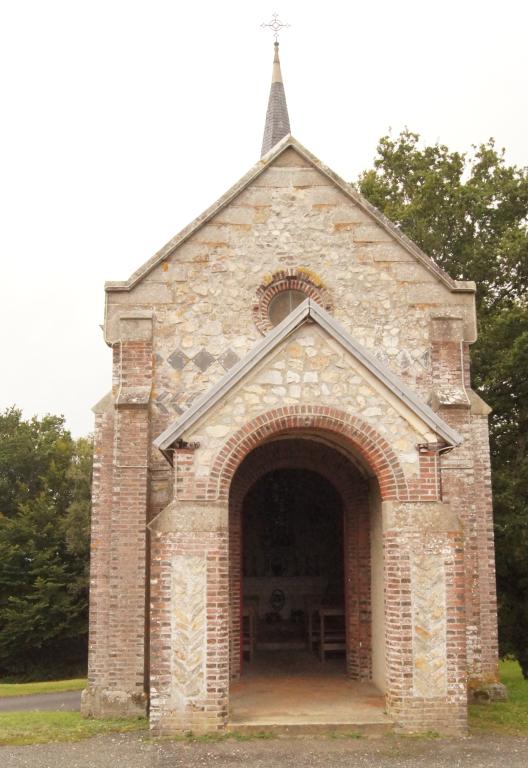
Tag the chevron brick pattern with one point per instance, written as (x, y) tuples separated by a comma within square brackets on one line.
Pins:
[(429, 625), (188, 627)]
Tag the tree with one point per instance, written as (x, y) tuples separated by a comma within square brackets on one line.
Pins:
[(501, 362), (469, 211), (44, 544)]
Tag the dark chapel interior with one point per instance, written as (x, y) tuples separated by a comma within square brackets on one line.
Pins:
[(292, 544)]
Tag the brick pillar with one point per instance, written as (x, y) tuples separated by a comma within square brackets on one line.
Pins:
[(102, 483), (189, 618), (487, 593), (117, 683), (425, 617), (447, 352), (466, 485), (356, 539), (466, 482), (235, 586)]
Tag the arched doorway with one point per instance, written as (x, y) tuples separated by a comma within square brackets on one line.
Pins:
[(306, 567), (403, 570), (292, 567)]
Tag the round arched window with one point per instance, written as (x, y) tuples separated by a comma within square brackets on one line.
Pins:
[(282, 292), (283, 303)]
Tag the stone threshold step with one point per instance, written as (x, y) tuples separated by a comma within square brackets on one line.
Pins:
[(313, 729)]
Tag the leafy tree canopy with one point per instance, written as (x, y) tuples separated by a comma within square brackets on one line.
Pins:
[(469, 211), (44, 533)]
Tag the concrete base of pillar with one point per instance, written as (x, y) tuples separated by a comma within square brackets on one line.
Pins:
[(97, 701), (425, 716), (178, 723)]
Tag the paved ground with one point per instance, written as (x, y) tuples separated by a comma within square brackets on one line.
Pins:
[(280, 688), (136, 751), (69, 701)]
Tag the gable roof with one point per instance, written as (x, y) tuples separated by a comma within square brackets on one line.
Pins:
[(308, 310), (254, 173)]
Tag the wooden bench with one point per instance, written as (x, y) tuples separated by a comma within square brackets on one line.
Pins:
[(249, 624), (312, 604), (332, 631)]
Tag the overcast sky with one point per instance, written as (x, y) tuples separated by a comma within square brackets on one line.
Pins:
[(123, 120)]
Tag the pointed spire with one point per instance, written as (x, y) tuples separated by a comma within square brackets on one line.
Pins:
[(277, 120)]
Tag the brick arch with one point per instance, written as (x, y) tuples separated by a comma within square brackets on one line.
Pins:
[(299, 453), (359, 437)]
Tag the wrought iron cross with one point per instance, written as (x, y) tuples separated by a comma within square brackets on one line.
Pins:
[(275, 25)]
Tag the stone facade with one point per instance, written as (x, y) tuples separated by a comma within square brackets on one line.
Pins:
[(165, 579)]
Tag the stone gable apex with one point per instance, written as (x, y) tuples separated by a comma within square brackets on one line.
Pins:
[(309, 311), (259, 168)]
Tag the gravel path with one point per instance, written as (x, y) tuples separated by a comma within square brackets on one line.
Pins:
[(67, 701), (137, 751)]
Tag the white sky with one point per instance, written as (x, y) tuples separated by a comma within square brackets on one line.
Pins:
[(123, 120)]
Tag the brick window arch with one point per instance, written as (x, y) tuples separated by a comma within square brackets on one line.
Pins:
[(295, 281)]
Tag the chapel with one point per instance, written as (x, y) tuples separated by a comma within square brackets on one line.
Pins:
[(291, 489)]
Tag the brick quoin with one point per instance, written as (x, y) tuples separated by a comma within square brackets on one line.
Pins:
[(98, 659)]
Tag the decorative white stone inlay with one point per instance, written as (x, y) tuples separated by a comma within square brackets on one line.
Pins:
[(188, 629), (429, 625)]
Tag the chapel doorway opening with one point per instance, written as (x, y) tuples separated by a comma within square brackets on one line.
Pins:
[(305, 552), (293, 595)]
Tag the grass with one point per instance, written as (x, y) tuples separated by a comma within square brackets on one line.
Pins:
[(48, 686), (18, 728), (507, 717)]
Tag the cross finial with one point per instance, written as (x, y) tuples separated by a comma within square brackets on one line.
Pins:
[(275, 25)]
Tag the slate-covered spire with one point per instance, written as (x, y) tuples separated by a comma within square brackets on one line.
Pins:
[(277, 120)]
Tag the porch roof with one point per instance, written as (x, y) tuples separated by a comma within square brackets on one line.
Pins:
[(309, 310)]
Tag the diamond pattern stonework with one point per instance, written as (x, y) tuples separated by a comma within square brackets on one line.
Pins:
[(178, 360), (203, 359), (228, 359)]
